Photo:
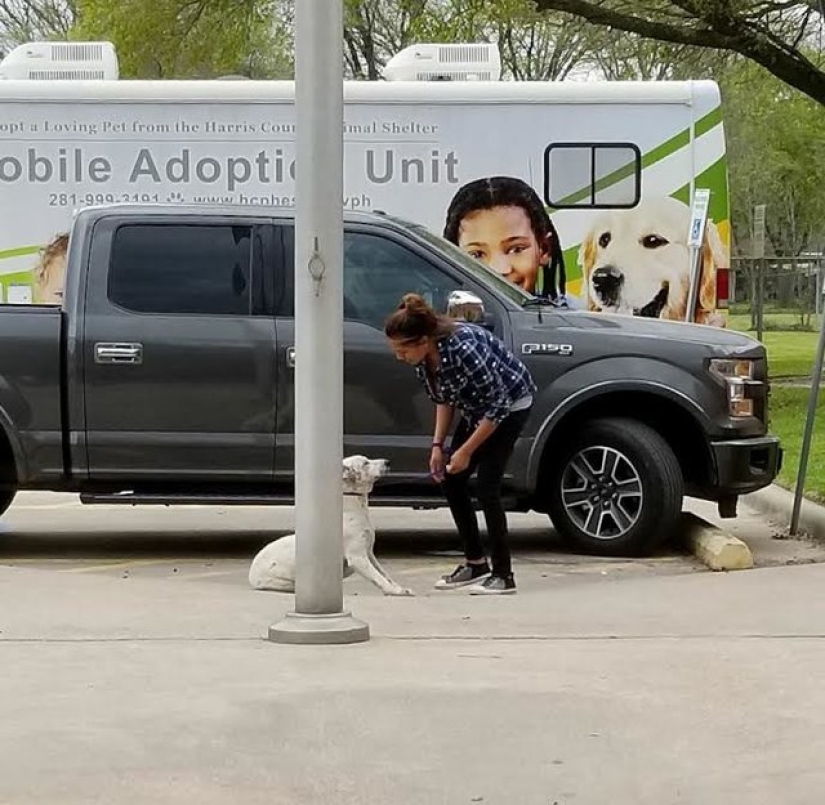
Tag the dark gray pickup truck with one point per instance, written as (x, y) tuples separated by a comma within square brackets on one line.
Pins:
[(167, 377)]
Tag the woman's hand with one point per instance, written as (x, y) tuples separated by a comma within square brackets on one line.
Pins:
[(459, 461), (438, 464)]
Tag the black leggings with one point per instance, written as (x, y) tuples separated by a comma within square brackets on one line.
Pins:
[(491, 461)]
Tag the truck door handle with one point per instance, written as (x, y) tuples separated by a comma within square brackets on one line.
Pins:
[(119, 353), (290, 357)]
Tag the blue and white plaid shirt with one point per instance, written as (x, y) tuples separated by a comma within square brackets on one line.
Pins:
[(478, 374)]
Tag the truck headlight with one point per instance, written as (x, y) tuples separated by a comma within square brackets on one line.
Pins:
[(737, 376)]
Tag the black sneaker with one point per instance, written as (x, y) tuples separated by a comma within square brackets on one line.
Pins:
[(495, 585), (462, 576)]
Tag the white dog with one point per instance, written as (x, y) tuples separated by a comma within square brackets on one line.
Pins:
[(637, 261), (273, 568)]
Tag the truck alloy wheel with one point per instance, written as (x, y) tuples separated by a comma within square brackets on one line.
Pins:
[(602, 492), (616, 489)]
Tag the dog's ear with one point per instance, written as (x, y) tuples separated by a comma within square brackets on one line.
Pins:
[(350, 476), (713, 257), (587, 255), (587, 259)]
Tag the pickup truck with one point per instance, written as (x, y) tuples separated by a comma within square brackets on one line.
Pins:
[(166, 376)]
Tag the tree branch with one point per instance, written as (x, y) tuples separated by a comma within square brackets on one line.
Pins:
[(708, 25)]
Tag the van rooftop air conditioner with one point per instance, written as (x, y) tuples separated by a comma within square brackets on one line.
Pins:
[(435, 62), (61, 61)]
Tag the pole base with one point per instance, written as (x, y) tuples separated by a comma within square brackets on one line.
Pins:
[(315, 630)]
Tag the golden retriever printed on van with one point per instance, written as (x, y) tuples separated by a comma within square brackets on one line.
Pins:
[(637, 261)]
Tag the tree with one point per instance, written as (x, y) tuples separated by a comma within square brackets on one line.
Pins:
[(783, 36), (532, 46), (776, 145), (775, 154), (374, 30), (192, 38), (27, 20), (632, 58)]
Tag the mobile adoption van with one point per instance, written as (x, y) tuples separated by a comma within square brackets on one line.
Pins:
[(616, 164)]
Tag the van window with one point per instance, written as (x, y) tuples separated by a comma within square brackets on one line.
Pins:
[(595, 175), (201, 269)]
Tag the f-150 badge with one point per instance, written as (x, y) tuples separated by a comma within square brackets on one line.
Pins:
[(547, 349)]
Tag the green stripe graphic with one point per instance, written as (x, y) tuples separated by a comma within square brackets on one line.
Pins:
[(19, 252), (665, 149)]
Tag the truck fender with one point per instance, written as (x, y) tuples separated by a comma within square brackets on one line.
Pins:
[(601, 389)]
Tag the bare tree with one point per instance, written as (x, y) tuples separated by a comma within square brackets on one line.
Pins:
[(376, 29), (532, 46), (26, 20)]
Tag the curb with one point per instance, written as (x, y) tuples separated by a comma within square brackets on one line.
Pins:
[(713, 547), (777, 502)]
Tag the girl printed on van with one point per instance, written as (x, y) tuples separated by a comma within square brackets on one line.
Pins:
[(501, 221)]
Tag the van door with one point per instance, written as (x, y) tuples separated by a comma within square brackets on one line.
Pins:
[(387, 413), (178, 351)]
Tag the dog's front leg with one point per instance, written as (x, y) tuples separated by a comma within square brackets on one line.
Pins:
[(363, 566), (377, 565)]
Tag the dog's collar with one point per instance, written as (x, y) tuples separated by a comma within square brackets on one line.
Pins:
[(653, 309)]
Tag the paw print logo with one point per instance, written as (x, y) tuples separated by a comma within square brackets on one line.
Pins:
[(175, 197)]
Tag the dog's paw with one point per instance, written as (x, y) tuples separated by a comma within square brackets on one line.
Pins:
[(402, 591)]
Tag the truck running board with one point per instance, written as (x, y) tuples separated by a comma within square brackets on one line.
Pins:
[(253, 499)]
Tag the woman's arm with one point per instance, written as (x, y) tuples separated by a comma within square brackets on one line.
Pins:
[(484, 430), (460, 460), (444, 414)]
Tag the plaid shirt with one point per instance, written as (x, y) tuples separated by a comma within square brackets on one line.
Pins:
[(478, 374)]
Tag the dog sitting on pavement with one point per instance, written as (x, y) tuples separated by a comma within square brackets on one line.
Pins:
[(273, 568)]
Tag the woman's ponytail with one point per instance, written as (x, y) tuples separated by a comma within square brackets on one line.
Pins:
[(415, 319)]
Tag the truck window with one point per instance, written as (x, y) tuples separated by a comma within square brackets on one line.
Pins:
[(378, 272), (183, 268)]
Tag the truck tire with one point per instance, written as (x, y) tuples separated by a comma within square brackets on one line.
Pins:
[(615, 489), (6, 497)]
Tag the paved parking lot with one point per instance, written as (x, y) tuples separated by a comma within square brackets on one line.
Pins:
[(137, 671), (216, 544)]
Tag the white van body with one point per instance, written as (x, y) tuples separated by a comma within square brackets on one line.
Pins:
[(585, 147)]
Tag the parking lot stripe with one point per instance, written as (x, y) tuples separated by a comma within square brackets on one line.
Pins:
[(210, 573), (115, 565)]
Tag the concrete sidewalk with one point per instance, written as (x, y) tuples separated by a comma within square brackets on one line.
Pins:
[(648, 690)]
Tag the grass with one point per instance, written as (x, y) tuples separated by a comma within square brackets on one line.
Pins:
[(791, 354), (788, 409)]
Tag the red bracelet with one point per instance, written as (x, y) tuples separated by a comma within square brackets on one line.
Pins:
[(438, 444)]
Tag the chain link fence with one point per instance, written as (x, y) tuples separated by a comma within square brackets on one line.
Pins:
[(776, 293)]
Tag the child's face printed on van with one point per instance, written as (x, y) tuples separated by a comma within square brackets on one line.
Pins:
[(503, 239), (49, 281)]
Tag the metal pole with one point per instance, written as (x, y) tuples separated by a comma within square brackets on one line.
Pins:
[(695, 257), (319, 373), (760, 296), (809, 428), (696, 235)]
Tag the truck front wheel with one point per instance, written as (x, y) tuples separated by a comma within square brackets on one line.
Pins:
[(615, 488), (6, 497)]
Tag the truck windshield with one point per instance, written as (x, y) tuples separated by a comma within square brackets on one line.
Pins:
[(475, 267)]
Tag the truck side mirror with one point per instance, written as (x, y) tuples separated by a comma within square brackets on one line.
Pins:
[(466, 306)]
